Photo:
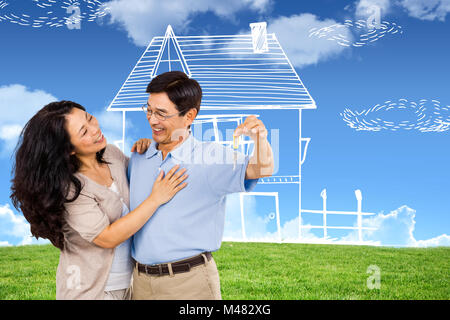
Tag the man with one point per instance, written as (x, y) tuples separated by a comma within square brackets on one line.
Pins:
[(172, 251)]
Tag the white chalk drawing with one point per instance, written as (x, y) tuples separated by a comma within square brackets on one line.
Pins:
[(3, 4), (365, 32), (271, 216), (324, 212), (424, 116), (52, 13), (237, 73), (259, 37)]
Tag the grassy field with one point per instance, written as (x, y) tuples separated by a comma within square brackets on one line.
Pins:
[(271, 271)]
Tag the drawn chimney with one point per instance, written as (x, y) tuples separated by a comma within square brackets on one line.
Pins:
[(259, 37)]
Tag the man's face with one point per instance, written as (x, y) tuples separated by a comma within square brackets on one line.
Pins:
[(166, 131)]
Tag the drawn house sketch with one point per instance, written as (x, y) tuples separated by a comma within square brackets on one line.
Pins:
[(240, 75)]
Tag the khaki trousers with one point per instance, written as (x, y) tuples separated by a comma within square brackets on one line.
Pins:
[(200, 283)]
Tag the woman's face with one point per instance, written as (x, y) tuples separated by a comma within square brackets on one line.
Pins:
[(85, 133)]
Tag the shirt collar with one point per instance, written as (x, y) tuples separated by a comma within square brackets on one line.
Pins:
[(181, 152), (152, 150)]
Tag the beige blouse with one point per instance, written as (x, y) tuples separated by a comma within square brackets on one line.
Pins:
[(83, 266)]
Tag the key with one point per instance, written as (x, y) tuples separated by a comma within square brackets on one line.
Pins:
[(235, 147)]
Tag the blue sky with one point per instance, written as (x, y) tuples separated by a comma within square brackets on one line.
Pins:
[(402, 174)]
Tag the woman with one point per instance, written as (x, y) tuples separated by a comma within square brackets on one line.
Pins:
[(72, 188)]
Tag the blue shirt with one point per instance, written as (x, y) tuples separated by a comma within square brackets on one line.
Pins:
[(193, 220)]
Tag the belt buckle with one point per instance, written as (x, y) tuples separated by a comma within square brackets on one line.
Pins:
[(188, 265)]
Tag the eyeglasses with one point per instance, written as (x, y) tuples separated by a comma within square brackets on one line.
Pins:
[(157, 114)]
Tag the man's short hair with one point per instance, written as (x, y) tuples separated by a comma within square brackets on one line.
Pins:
[(184, 92)]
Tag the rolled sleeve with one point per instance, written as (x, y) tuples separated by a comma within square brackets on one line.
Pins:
[(248, 184), (229, 178), (85, 216)]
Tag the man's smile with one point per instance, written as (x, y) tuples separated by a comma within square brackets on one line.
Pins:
[(158, 131)]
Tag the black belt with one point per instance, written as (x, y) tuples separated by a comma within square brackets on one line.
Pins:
[(177, 267)]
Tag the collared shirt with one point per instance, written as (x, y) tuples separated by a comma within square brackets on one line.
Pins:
[(193, 220)]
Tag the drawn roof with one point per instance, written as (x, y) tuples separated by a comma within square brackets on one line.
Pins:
[(231, 73)]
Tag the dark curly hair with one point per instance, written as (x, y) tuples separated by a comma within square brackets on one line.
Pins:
[(44, 170)]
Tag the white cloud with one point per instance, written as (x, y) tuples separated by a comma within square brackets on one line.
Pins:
[(257, 225), (21, 104), (393, 229), (15, 228), (442, 240), (289, 231), (427, 9), (9, 132), (111, 125), (143, 19), (302, 50), (396, 229), (141, 23), (420, 9)]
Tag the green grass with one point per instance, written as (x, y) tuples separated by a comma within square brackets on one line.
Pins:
[(271, 271), (28, 272)]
